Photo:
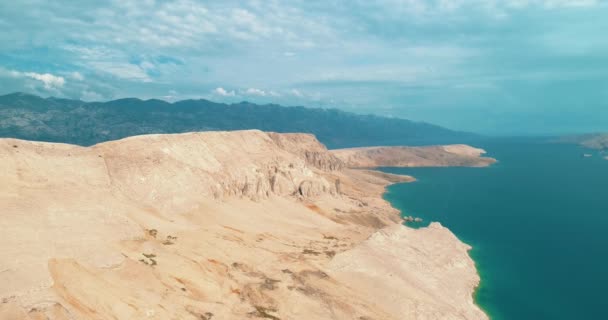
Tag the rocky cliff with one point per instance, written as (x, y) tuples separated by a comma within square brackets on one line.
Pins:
[(215, 225), (309, 148)]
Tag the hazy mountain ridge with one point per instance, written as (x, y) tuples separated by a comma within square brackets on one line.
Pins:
[(597, 141), (30, 117)]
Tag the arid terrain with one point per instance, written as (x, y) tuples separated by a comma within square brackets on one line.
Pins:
[(433, 156), (218, 225)]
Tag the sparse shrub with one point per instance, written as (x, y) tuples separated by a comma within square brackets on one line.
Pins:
[(262, 312), (150, 259), (170, 240), (152, 232)]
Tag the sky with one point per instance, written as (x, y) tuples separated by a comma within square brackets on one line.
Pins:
[(490, 66)]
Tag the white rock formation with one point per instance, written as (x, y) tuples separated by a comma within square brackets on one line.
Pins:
[(215, 225)]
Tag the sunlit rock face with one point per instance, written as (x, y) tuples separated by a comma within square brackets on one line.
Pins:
[(222, 225)]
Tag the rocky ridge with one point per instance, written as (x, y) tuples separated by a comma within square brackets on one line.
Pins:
[(215, 225), (399, 156)]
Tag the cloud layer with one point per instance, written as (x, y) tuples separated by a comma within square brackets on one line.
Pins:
[(487, 65)]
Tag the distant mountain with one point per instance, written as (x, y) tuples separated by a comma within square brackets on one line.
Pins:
[(597, 141), (31, 117)]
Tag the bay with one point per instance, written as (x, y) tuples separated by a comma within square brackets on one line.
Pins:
[(537, 221)]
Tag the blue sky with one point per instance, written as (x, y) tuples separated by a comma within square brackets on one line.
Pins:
[(498, 67)]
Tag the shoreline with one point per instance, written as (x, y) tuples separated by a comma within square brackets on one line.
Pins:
[(480, 272), (270, 224), (527, 190), (475, 292)]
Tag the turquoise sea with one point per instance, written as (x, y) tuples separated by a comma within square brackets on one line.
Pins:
[(537, 221)]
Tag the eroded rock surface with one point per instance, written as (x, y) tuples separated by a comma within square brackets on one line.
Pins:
[(215, 225)]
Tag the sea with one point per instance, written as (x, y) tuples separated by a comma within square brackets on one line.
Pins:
[(537, 222)]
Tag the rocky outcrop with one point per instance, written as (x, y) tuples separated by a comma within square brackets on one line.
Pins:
[(433, 156), (307, 146), (313, 188), (215, 225), (250, 164)]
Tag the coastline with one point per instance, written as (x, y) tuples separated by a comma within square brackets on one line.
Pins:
[(479, 272), (482, 275), (269, 224), (524, 191)]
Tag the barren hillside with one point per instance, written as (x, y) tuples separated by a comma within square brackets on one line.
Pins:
[(433, 156), (216, 225)]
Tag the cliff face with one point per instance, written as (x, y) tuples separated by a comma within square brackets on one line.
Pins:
[(434, 156), (222, 225), (309, 148), (214, 165)]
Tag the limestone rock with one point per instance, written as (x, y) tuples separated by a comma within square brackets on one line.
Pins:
[(222, 225), (306, 145)]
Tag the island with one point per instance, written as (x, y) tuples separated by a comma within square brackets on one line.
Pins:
[(596, 141)]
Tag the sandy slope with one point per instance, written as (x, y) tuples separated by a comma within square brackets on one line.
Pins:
[(217, 225)]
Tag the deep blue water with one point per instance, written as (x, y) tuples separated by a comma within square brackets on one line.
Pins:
[(537, 221)]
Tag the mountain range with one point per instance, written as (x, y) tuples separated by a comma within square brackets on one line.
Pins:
[(26, 116)]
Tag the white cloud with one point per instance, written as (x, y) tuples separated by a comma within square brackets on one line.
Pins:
[(51, 82), (550, 4), (250, 92), (8, 73), (122, 70), (296, 93), (223, 92), (261, 93), (449, 5), (256, 92), (120, 44), (172, 96), (517, 4), (147, 65), (93, 53), (570, 3), (77, 76), (102, 59)]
